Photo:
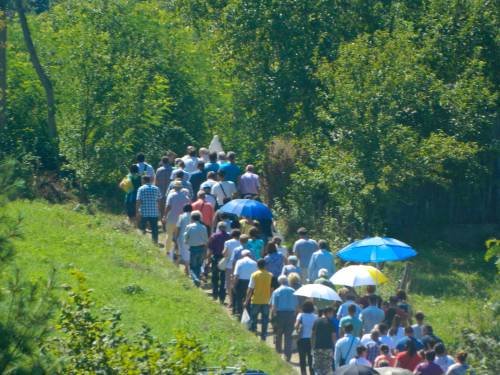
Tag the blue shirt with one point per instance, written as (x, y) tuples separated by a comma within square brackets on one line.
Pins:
[(149, 195), (211, 167), (401, 344), (232, 171), (343, 309), (274, 263), (283, 299), (255, 247), (196, 179), (321, 259)]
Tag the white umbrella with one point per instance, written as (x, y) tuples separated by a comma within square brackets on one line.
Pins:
[(318, 291), (393, 371), (358, 276)]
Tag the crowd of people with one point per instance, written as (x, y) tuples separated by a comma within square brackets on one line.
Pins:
[(256, 276)]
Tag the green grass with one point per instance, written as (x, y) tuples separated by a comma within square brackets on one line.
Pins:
[(112, 259)]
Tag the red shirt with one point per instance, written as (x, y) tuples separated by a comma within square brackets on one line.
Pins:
[(206, 209), (404, 360)]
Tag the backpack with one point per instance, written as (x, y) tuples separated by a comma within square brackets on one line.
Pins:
[(126, 184)]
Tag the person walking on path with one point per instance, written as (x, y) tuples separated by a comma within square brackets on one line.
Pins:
[(224, 189), (176, 200), (372, 315), (182, 248), (352, 320), (162, 180), (274, 263), (243, 270), (304, 325), (131, 196), (190, 160), (283, 307), (212, 165), (148, 204), (249, 185), (229, 247), (255, 244), (196, 237), (231, 169), (144, 168), (304, 248), (428, 367), (198, 177), (206, 209), (345, 348), (322, 340), (215, 254), (258, 296), (291, 266), (321, 258), (461, 367), (179, 176)]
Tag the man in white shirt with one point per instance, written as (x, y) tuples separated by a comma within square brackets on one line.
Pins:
[(223, 189), (229, 247), (190, 160), (144, 168), (345, 348), (243, 270)]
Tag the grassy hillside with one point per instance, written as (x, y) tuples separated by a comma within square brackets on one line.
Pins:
[(112, 260)]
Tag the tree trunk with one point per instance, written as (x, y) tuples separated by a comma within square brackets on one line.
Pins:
[(42, 75), (3, 64)]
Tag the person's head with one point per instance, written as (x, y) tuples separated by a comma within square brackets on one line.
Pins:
[(282, 280), (146, 179), (245, 253), (222, 175), (348, 328), (329, 312), (231, 156), (372, 300), (323, 245), (411, 347), (211, 175), (203, 152), (371, 289), (361, 351), (171, 156), (384, 349), (277, 240), (201, 165), (382, 328), (165, 160), (271, 248), (140, 157), (293, 260), (191, 151), (261, 264), (195, 216), (409, 331), (307, 307), (419, 317), (187, 208), (393, 301), (177, 185), (235, 234), (180, 164), (221, 156), (134, 169), (212, 157), (221, 226), (375, 335), (440, 349), (201, 194), (343, 293), (351, 309), (323, 273), (180, 175), (244, 239), (401, 295), (427, 330), (396, 321), (461, 357), (249, 168), (254, 233), (293, 278), (430, 355), (302, 232)]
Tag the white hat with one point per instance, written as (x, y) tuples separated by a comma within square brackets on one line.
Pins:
[(245, 252)]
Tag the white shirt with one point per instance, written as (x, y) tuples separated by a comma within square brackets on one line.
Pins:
[(185, 177), (307, 321), (222, 190), (444, 362), (387, 341), (399, 335), (145, 168), (244, 268), (361, 361), (190, 163), (283, 251), (417, 331), (230, 245), (210, 199)]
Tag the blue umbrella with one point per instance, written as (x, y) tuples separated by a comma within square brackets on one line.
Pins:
[(249, 208), (376, 250)]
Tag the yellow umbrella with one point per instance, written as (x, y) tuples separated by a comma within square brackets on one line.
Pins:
[(358, 276)]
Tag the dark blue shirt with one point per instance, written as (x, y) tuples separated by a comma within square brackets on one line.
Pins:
[(196, 179)]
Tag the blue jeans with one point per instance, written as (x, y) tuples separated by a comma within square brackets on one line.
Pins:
[(195, 263), (254, 312), (153, 223)]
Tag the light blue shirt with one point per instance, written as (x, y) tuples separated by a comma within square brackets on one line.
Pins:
[(343, 309), (321, 259), (370, 316), (345, 349), (283, 299)]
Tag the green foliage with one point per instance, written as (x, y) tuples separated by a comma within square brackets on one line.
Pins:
[(493, 252)]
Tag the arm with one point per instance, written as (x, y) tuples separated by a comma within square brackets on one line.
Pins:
[(249, 296), (337, 355), (298, 323)]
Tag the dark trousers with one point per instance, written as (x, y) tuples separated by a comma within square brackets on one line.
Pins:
[(153, 223), (195, 263), (263, 310), (240, 292), (284, 328), (218, 280), (305, 356)]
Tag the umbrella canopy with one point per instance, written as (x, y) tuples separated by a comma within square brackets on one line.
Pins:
[(376, 250), (355, 370), (249, 208), (358, 276), (318, 291), (393, 371)]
